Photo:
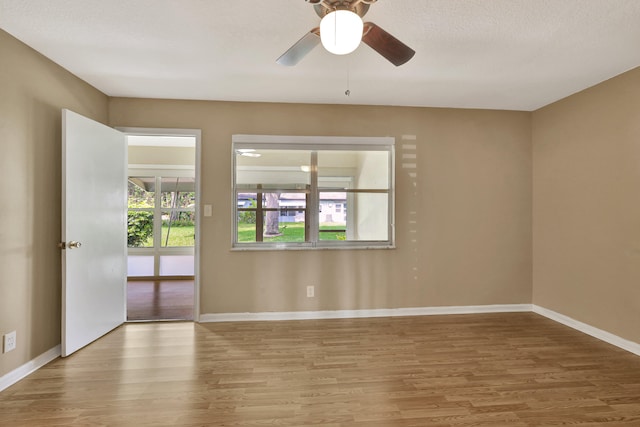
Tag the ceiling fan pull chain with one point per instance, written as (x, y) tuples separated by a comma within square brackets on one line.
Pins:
[(348, 91)]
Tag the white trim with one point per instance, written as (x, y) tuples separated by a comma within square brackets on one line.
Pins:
[(589, 330), (199, 217), (171, 141), (348, 314), (317, 140), (144, 166), (33, 365), (159, 131)]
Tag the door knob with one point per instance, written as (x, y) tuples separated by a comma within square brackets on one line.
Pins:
[(71, 245)]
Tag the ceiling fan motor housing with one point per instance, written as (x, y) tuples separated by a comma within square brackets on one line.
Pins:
[(323, 7)]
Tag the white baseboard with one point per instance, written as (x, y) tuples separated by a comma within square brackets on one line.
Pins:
[(29, 367), (348, 314), (605, 336)]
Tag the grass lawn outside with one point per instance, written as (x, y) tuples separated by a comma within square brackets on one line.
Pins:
[(291, 232), (179, 236), (183, 236)]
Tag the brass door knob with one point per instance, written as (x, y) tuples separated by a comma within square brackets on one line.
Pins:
[(73, 244)]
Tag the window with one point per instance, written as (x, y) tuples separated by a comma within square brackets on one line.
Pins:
[(312, 192), (161, 223), (170, 211)]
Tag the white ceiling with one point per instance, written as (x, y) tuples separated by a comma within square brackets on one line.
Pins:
[(502, 54)]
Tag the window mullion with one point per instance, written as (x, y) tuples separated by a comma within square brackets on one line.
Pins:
[(259, 216), (314, 202), (157, 226)]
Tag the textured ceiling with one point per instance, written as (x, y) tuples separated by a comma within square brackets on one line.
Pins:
[(502, 54)]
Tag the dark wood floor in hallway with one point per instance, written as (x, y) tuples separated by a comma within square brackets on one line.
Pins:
[(510, 370), (160, 300)]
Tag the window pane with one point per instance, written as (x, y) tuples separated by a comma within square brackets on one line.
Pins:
[(139, 265), (178, 229), (353, 169), (176, 265), (283, 217), (273, 169), (246, 200), (292, 207), (369, 216), (247, 231), (141, 192), (290, 226), (140, 229), (178, 192), (353, 216), (333, 218)]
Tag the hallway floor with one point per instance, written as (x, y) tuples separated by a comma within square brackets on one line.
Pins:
[(160, 300)]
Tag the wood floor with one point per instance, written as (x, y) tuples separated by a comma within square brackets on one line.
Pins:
[(160, 300), (515, 369)]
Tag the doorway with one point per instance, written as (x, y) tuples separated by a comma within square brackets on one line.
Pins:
[(162, 226)]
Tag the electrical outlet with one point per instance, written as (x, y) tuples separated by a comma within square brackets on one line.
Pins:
[(311, 291), (9, 341)]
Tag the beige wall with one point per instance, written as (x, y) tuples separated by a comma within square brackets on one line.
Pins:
[(174, 156), (472, 204), (32, 92), (586, 206)]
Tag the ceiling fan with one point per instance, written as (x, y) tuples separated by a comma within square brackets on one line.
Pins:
[(342, 22)]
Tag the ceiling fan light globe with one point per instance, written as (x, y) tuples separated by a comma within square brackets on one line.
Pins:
[(341, 31)]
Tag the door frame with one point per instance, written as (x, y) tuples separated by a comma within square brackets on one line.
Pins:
[(197, 134)]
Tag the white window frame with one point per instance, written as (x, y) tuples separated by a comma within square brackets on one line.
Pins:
[(315, 143)]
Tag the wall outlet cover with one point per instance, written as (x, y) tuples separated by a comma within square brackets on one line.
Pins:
[(9, 341)]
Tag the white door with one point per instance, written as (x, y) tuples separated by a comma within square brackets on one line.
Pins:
[(93, 230)]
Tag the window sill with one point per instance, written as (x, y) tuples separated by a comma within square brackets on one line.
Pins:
[(308, 248)]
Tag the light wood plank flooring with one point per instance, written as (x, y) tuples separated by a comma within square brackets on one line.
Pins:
[(160, 300), (515, 369)]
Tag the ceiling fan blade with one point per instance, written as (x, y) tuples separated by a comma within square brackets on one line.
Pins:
[(301, 48), (386, 45)]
